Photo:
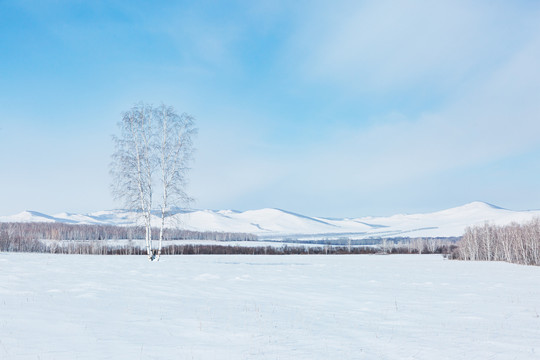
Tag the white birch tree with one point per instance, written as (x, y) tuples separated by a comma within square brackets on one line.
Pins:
[(152, 153), (175, 148)]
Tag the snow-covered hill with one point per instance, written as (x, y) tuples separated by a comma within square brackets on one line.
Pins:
[(275, 223)]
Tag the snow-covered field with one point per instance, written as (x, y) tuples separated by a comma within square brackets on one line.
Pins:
[(266, 307)]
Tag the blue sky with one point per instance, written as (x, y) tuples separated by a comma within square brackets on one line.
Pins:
[(342, 108)]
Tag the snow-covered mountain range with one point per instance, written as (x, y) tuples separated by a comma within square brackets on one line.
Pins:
[(275, 223)]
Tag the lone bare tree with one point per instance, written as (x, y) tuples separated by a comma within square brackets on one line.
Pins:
[(154, 148), (133, 164), (175, 148)]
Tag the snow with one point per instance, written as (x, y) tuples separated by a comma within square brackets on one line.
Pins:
[(28, 216), (279, 224), (266, 307)]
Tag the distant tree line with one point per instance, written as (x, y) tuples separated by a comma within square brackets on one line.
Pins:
[(420, 246), (386, 246), (515, 243), (59, 238), (104, 248), (27, 237)]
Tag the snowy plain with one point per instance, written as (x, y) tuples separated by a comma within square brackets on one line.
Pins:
[(266, 307)]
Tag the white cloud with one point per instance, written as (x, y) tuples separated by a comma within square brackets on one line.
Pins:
[(481, 58), (383, 46), (496, 118)]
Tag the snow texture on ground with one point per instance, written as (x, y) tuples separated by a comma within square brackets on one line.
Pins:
[(266, 307)]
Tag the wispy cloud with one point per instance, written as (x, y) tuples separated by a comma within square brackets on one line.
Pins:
[(482, 61), (314, 106), (381, 46)]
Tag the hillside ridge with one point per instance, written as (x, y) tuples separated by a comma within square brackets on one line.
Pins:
[(277, 223)]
